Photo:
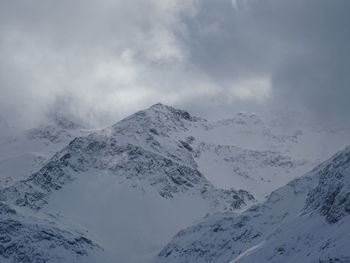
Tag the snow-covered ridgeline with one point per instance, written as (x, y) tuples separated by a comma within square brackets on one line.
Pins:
[(305, 221), (143, 179)]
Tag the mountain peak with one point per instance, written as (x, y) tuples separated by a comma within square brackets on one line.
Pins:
[(159, 118), (181, 114), (159, 105)]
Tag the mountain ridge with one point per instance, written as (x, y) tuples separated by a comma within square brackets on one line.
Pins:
[(150, 175), (312, 205)]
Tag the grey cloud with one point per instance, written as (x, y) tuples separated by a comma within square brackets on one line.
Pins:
[(303, 46), (107, 59), (315, 71)]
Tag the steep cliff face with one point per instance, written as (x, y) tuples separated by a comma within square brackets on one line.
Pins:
[(331, 196)]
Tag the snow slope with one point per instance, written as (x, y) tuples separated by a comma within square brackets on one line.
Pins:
[(35, 237), (261, 153), (305, 221), (131, 187)]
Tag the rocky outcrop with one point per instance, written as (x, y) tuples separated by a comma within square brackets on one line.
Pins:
[(27, 236)]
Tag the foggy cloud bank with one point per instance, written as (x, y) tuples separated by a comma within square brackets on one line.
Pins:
[(101, 60)]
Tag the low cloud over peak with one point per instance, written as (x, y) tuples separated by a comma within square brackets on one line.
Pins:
[(107, 59)]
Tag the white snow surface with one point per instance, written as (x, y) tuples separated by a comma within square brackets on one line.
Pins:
[(131, 187), (305, 221)]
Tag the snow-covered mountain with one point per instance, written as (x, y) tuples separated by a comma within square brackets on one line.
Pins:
[(305, 221), (25, 151), (124, 191), (134, 172)]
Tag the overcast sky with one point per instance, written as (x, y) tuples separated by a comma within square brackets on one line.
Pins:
[(101, 60)]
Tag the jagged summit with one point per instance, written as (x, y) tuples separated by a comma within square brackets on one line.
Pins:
[(160, 106), (168, 113), (180, 114), (157, 119)]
